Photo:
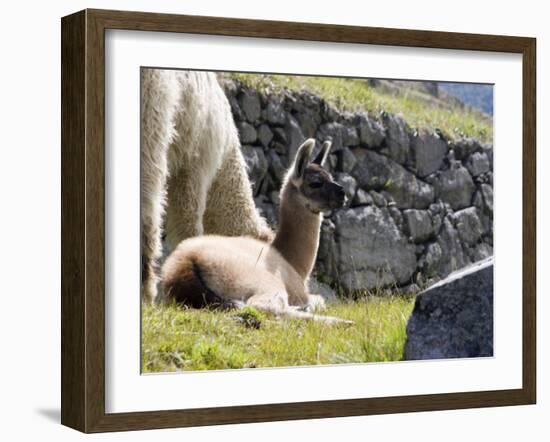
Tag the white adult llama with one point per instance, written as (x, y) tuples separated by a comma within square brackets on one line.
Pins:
[(193, 175)]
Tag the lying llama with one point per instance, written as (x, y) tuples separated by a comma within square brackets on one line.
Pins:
[(191, 167), (243, 271)]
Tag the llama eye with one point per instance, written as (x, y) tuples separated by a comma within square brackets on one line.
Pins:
[(316, 185)]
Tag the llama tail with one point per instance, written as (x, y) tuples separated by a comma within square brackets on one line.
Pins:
[(184, 281), (298, 314)]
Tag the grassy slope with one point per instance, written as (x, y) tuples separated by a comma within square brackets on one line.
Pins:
[(175, 338), (416, 108)]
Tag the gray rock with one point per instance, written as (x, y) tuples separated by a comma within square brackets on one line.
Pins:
[(332, 131), (377, 172), (465, 147), (308, 123), (265, 135), (488, 150), (295, 137), (236, 110), (372, 252), (348, 183), (327, 254), (316, 287), (435, 208), (371, 132), (378, 199), (332, 162), (429, 262), (397, 216), (428, 151), (397, 137), (480, 251), (275, 197), (362, 198), (351, 137), (455, 186), (478, 163), (247, 133), (417, 225), (454, 318), (487, 194), (347, 160), (452, 253), (268, 210), (468, 225), (275, 113), (411, 289), (250, 105), (276, 167), (256, 164), (437, 220)]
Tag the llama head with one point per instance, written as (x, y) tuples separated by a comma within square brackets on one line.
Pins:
[(312, 183)]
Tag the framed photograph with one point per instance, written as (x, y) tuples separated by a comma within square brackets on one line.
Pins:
[(267, 221)]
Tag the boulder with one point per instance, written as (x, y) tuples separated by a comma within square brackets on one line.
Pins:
[(429, 261), (468, 225), (362, 198), (295, 137), (397, 216), (236, 110), (348, 183), (464, 147), (371, 132), (452, 254), (316, 287), (417, 225), (397, 137), (351, 137), (275, 113), (487, 194), (268, 210), (347, 160), (372, 252), (428, 151), (478, 163), (256, 164), (265, 135), (333, 131), (250, 105), (327, 253), (479, 251), (276, 167), (308, 123), (454, 318), (488, 149), (455, 186), (378, 199), (247, 133), (377, 172)]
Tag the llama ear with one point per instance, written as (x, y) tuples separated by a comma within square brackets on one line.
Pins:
[(323, 153), (303, 157)]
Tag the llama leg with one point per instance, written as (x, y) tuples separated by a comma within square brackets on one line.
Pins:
[(277, 304), (159, 100), (315, 303), (230, 208), (186, 206)]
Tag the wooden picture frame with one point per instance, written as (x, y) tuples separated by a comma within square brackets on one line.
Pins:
[(83, 220)]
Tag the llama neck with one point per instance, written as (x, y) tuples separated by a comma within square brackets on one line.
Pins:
[(297, 238)]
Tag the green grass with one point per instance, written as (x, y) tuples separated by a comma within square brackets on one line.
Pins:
[(419, 109), (176, 338)]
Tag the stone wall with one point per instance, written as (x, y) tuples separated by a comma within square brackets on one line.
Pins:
[(420, 206)]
